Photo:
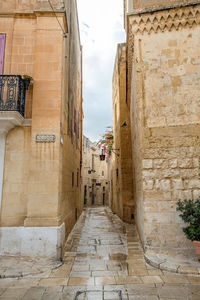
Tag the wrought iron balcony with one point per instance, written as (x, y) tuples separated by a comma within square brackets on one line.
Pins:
[(13, 93)]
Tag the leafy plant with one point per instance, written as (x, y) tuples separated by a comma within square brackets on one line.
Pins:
[(27, 77), (106, 142), (190, 213)]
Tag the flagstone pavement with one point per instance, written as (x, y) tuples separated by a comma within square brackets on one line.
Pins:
[(103, 259)]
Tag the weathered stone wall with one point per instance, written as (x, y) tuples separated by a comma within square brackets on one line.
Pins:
[(123, 203), (71, 203), (25, 5), (165, 122), (134, 5), (117, 203)]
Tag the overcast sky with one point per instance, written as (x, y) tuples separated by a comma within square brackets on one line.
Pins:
[(101, 28)]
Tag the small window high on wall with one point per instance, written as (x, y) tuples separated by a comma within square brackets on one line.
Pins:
[(2, 51)]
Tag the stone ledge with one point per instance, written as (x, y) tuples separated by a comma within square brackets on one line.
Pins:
[(167, 263)]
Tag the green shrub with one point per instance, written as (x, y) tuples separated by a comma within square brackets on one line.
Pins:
[(190, 213)]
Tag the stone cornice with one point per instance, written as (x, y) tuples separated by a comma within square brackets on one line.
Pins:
[(48, 12), (161, 8), (36, 13), (159, 21)]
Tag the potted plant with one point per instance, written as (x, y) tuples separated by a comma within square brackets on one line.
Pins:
[(106, 144), (27, 79), (190, 213)]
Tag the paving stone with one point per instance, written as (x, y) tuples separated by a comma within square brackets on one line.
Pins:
[(188, 270), (173, 278), (48, 282), (81, 274), (92, 295), (81, 281), (151, 279), (104, 273), (128, 279), (195, 289), (69, 292), (170, 291), (194, 297), (7, 282), (194, 279), (154, 272), (2, 291), (54, 293), (112, 295), (9, 298), (62, 272), (103, 270), (17, 293), (80, 267), (141, 289), (26, 282), (104, 280), (136, 297), (19, 266), (34, 293)]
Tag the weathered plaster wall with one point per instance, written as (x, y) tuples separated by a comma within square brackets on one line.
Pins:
[(165, 123)]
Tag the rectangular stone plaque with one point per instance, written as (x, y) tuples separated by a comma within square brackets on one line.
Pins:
[(45, 138)]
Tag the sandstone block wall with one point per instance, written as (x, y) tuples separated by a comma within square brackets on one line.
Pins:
[(25, 5), (70, 191), (134, 5), (37, 187), (122, 195), (165, 122)]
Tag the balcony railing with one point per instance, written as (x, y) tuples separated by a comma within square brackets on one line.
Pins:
[(13, 93)]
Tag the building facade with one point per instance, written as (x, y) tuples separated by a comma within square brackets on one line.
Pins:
[(40, 135), (163, 76), (122, 172), (95, 176)]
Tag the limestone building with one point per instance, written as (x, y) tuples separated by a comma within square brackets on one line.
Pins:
[(40, 126), (95, 176), (122, 201), (163, 77)]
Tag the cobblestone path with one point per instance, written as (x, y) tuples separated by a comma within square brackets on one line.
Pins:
[(103, 259)]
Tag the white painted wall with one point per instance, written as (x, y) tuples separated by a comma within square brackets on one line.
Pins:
[(41, 242)]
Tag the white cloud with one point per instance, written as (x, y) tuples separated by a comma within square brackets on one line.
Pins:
[(101, 27)]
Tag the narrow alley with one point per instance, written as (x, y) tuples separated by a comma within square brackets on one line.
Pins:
[(103, 259)]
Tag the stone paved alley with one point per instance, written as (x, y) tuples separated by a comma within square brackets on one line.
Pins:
[(103, 259)]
